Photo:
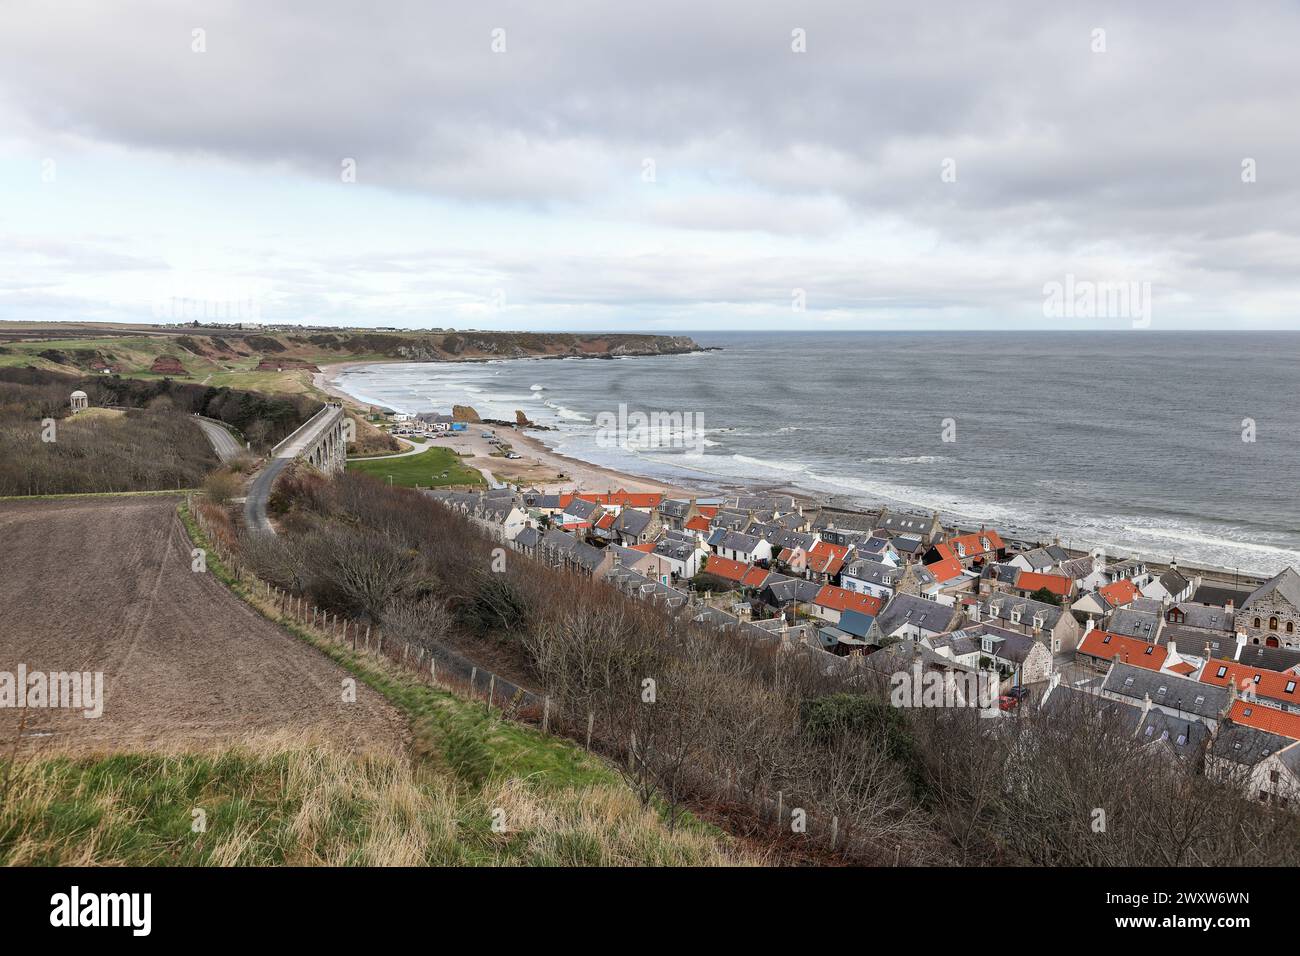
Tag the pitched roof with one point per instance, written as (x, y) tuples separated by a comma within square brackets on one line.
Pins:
[(947, 567), (623, 499), (1055, 583), (976, 542), (698, 523), (1263, 717), (1105, 645), (755, 577), (1167, 690), (1286, 583), (1120, 592), (725, 568), (827, 558), (910, 609), (841, 599), (1265, 683)]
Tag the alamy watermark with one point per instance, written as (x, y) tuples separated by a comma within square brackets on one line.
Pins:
[(653, 430), (1085, 299), (914, 688), (57, 690)]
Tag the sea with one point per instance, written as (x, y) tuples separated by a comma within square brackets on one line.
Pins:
[(1161, 445)]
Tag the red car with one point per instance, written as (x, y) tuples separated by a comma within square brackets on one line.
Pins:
[(1007, 702)]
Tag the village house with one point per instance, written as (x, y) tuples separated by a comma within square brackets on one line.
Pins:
[(1263, 765), (971, 550), (1021, 659), (871, 577), (1174, 695), (925, 528), (1046, 622), (1040, 560), (830, 602), (746, 548), (912, 617), (1171, 586), (1273, 611)]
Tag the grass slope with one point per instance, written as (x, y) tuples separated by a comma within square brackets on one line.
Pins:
[(424, 469), (476, 790)]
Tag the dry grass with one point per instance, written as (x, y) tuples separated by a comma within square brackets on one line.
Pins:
[(280, 800)]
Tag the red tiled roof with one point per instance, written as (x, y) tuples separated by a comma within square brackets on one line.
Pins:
[(973, 543), (624, 499), (605, 520), (755, 577), (841, 599), (1031, 581), (708, 510), (1262, 717), (725, 568), (1119, 593), (1270, 684), (647, 547), (947, 568), (1130, 649), (827, 558), (698, 523), (1183, 668)]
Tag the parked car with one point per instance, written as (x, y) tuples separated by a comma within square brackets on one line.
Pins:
[(1019, 692), (1007, 702)]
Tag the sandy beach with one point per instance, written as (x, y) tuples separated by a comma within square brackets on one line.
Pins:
[(539, 467)]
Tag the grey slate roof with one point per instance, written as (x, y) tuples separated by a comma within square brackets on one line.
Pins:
[(1003, 605), (1173, 582), (1213, 592), (1182, 736), (1222, 646), (1246, 745), (528, 538), (909, 609), (631, 521), (566, 545), (873, 572), (1167, 690), (1130, 623), (735, 541), (1198, 615), (1285, 583), (1269, 658)]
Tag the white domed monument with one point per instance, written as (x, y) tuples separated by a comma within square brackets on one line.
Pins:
[(80, 401)]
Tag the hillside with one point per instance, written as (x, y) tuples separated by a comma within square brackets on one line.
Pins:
[(283, 359)]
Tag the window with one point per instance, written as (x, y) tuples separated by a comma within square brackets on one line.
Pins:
[(1257, 623), (1290, 627), (1272, 776), (1290, 687), (1222, 671), (1272, 624)]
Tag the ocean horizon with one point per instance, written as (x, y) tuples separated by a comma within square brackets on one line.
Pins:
[(1175, 445)]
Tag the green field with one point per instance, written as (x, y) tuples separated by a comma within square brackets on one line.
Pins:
[(425, 469)]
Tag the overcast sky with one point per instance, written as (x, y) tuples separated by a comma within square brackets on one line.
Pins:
[(646, 166)]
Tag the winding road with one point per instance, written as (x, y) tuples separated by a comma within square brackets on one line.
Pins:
[(223, 443)]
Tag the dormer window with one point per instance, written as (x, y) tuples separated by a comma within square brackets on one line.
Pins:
[(987, 645), (1015, 616)]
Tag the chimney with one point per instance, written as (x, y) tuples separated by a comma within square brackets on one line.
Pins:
[(1146, 708), (1088, 628), (1173, 564), (1173, 650)]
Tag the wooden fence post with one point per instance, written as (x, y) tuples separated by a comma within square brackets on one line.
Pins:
[(492, 686), (835, 831), (591, 720), (546, 714)]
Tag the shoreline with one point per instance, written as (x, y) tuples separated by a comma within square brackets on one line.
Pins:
[(541, 466)]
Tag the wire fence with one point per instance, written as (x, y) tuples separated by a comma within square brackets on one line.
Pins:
[(775, 812)]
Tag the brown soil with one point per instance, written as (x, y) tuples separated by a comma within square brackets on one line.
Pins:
[(105, 584)]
